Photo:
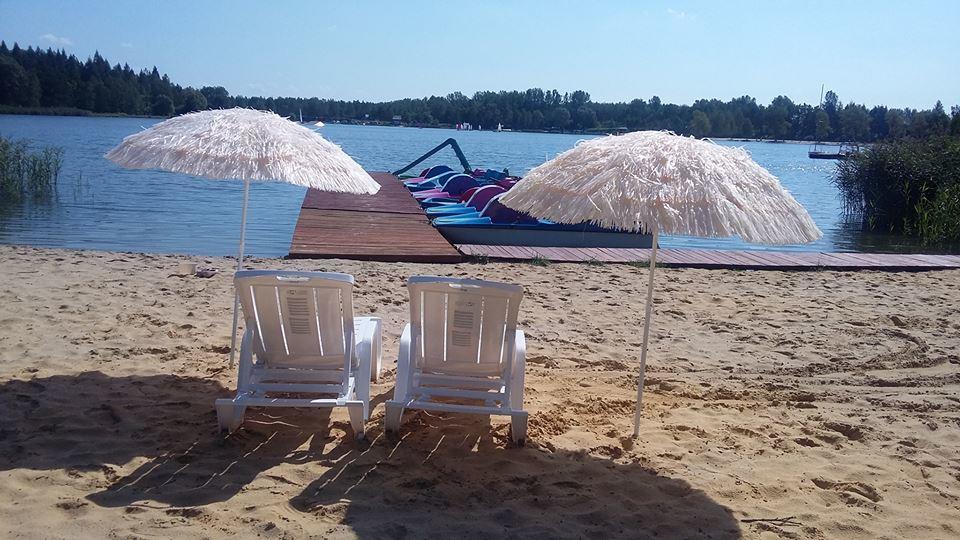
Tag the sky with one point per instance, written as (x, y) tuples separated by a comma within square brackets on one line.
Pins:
[(895, 53)]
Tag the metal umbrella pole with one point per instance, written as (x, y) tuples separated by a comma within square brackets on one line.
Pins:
[(646, 333), (236, 296)]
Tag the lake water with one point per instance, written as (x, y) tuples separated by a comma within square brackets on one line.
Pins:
[(102, 206)]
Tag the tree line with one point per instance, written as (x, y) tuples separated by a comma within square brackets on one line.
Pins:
[(51, 81)]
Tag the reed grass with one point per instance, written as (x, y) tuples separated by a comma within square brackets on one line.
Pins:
[(908, 186), (644, 264), (26, 174)]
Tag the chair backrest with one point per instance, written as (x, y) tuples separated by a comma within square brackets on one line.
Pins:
[(492, 174), (440, 178), (465, 196), (483, 195), (499, 213), (456, 180), (463, 326), (435, 170), (458, 185), (431, 181), (299, 319)]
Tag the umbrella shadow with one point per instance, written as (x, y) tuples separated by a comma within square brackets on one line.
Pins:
[(94, 423), (454, 475)]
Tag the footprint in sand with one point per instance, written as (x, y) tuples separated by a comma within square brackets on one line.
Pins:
[(188, 513), (71, 506), (850, 431), (678, 428), (852, 493), (806, 441)]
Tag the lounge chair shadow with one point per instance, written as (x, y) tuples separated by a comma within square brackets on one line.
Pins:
[(92, 422), (454, 476)]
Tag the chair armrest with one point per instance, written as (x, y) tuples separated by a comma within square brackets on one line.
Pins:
[(366, 333), (518, 371), (245, 367), (404, 366)]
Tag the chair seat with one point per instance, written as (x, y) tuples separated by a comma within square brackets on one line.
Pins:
[(463, 368)]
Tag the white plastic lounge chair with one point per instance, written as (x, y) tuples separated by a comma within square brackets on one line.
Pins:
[(462, 344), (301, 329)]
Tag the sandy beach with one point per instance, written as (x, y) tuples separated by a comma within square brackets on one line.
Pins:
[(778, 405)]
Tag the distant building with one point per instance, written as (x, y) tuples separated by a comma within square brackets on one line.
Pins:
[(397, 119)]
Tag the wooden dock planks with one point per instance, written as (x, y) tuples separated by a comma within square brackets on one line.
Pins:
[(388, 226), (733, 259)]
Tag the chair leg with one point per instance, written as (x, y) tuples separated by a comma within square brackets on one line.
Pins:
[(362, 384), (393, 417), (356, 420), (229, 414), (518, 427)]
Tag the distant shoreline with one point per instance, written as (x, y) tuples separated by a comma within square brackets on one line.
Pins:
[(778, 141), (82, 113), (66, 111)]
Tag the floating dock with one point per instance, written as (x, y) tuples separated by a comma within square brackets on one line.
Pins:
[(390, 226)]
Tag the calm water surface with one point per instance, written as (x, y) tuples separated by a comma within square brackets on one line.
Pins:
[(102, 206)]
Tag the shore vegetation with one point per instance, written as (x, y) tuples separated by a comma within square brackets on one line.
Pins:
[(907, 186), (38, 81), (26, 173)]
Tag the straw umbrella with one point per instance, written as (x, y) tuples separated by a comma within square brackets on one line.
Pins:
[(248, 145), (658, 182)]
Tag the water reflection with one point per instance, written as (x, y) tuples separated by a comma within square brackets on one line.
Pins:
[(851, 236), (101, 206)]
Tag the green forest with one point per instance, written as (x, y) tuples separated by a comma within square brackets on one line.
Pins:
[(38, 81)]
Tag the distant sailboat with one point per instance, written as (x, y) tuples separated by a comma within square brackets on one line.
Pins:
[(820, 150)]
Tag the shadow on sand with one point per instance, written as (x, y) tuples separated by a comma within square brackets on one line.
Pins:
[(92, 422), (453, 476), (442, 477)]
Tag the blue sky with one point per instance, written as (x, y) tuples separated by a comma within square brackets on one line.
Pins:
[(880, 52)]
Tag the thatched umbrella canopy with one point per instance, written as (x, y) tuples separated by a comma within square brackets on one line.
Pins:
[(244, 144), (658, 182), (248, 145)]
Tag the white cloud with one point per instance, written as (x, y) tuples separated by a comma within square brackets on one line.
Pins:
[(57, 40), (681, 15), (126, 45)]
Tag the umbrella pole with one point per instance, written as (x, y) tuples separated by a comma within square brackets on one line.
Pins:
[(646, 334), (236, 297)]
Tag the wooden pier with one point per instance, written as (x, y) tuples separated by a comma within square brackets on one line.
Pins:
[(708, 258), (390, 226)]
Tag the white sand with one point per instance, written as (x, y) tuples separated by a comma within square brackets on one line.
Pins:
[(829, 398)]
